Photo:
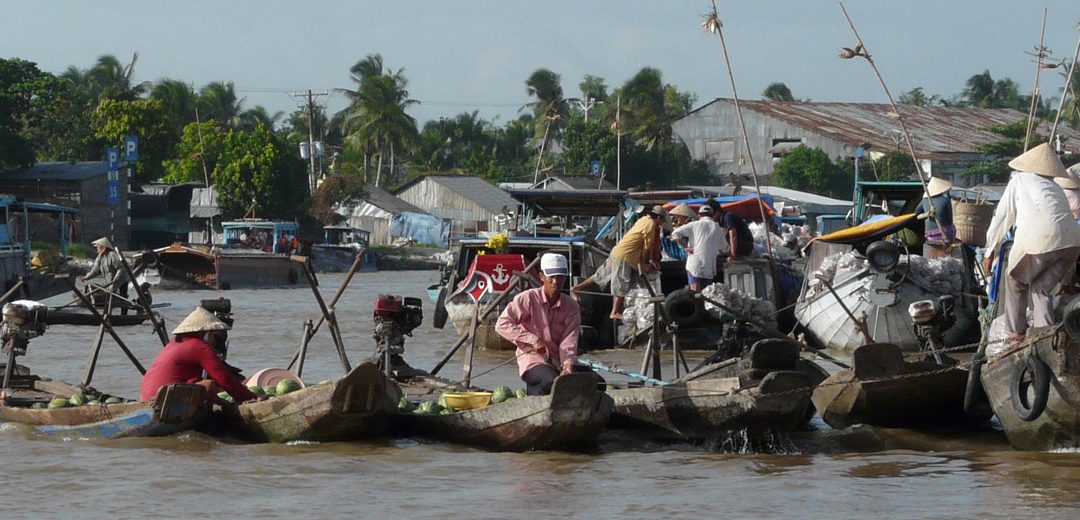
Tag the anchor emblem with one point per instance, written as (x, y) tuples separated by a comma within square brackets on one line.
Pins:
[(500, 277)]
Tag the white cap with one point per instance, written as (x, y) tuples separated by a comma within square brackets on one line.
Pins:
[(552, 264)]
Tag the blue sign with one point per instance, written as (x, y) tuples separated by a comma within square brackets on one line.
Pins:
[(131, 148), (112, 196), (595, 167), (113, 156), (860, 152)]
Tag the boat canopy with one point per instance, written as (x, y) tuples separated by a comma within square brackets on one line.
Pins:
[(905, 195), (744, 206), (870, 231), (279, 230), (13, 206)]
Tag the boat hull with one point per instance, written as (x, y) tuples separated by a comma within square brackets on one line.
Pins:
[(359, 405), (339, 259), (707, 409), (571, 417), (1058, 427), (882, 389)]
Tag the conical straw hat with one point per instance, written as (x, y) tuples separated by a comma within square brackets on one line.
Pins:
[(200, 320), (1040, 160), (103, 242), (1070, 181), (937, 186), (683, 210)]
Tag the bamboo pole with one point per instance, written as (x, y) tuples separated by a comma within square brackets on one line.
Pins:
[(1065, 93), (1040, 53), (333, 303), (108, 327)]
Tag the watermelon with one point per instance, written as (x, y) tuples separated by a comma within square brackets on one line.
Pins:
[(224, 396), (114, 400), (502, 394), (405, 405), (285, 386), (519, 393), (38, 405), (429, 407), (77, 400), (94, 402), (257, 390), (58, 402)]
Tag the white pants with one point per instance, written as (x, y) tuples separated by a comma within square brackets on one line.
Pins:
[(1039, 277)]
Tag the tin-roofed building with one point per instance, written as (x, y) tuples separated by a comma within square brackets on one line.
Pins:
[(80, 185), (945, 138), (377, 212), (470, 203), (572, 182)]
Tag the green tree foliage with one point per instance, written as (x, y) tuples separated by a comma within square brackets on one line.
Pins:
[(593, 87), (917, 97), (336, 189), (26, 97), (895, 166), (983, 91), (193, 151), (777, 92), (811, 170), (256, 169), (114, 119), (996, 166)]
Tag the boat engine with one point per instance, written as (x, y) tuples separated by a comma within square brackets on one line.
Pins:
[(23, 321), (222, 309), (930, 318), (395, 317)]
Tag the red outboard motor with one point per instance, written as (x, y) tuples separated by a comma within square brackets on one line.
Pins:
[(395, 317)]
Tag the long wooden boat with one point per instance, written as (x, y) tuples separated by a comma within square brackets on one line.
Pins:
[(768, 390), (225, 267), (882, 389), (1034, 389), (361, 404), (175, 409), (571, 417)]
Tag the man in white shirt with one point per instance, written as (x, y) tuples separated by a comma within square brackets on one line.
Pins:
[(703, 240), (1046, 243)]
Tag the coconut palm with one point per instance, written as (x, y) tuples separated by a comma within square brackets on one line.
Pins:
[(218, 101), (113, 79), (178, 99), (645, 110), (252, 118), (376, 118)]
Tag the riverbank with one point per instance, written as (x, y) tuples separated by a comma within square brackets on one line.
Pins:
[(410, 258)]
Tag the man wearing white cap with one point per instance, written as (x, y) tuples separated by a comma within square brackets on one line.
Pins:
[(704, 242), (1046, 243), (544, 324), (190, 353), (940, 231)]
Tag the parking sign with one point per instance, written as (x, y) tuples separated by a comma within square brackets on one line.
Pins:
[(113, 156), (131, 148)]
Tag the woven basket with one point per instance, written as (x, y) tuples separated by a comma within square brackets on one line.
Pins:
[(972, 219)]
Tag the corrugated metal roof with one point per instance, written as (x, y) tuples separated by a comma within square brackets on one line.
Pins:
[(574, 182), (482, 192), (936, 131), (204, 203), (386, 201), (59, 171)]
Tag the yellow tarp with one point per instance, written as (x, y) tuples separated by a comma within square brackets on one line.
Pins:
[(871, 231)]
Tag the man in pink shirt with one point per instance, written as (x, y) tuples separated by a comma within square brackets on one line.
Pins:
[(544, 325)]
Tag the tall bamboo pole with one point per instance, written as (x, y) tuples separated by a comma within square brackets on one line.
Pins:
[(1040, 53), (1068, 84)]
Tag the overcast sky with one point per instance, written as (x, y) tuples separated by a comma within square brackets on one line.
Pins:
[(462, 56)]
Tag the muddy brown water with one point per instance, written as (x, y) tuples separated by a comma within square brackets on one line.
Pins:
[(860, 473)]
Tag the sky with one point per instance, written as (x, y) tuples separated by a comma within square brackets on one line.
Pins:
[(461, 56)]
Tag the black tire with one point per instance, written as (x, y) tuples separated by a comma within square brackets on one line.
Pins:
[(1040, 385), (150, 259), (975, 399), (683, 308), (439, 316), (1071, 319), (146, 290)]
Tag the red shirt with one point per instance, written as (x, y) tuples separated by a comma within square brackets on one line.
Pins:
[(183, 361)]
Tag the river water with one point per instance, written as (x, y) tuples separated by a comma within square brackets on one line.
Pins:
[(855, 474)]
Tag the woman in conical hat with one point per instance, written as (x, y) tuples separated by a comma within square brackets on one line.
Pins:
[(1071, 186), (940, 232), (1046, 243), (190, 352)]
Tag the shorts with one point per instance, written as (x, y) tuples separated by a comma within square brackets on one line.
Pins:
[(617, 273), (703, 282)]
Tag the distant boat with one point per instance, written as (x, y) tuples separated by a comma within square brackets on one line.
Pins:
[(339, 248)]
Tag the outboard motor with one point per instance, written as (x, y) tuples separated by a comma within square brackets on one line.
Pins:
[(23, 321), (395, 317), (930, 318)]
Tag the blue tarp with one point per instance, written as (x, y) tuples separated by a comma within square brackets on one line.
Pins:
[(421, 228)]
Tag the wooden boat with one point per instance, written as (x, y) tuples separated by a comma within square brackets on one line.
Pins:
[(73, 316), (227, 267), (338, 251), (572, 416), (1034, 388), (175, 409), (361, 404), (877, 294), (882, 389), (767, 391)]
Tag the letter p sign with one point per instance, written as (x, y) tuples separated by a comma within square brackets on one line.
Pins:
[(131, 148)]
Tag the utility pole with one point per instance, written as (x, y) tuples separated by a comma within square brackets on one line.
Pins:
[(309, 98)]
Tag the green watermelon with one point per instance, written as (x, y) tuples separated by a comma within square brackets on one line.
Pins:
[(114, 400), (58, 402), (405, 405), (257, 390), (77, 400), (94, 402), (502, 394), (285, 386), (38, 405), (519, 393), (429, 407), (224, 396)]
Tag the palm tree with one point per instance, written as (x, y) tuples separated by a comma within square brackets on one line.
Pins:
[(179, 101), (252, 118), (645, 111), (113, 79), (979, 90), (218, 101), (376, 116)]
